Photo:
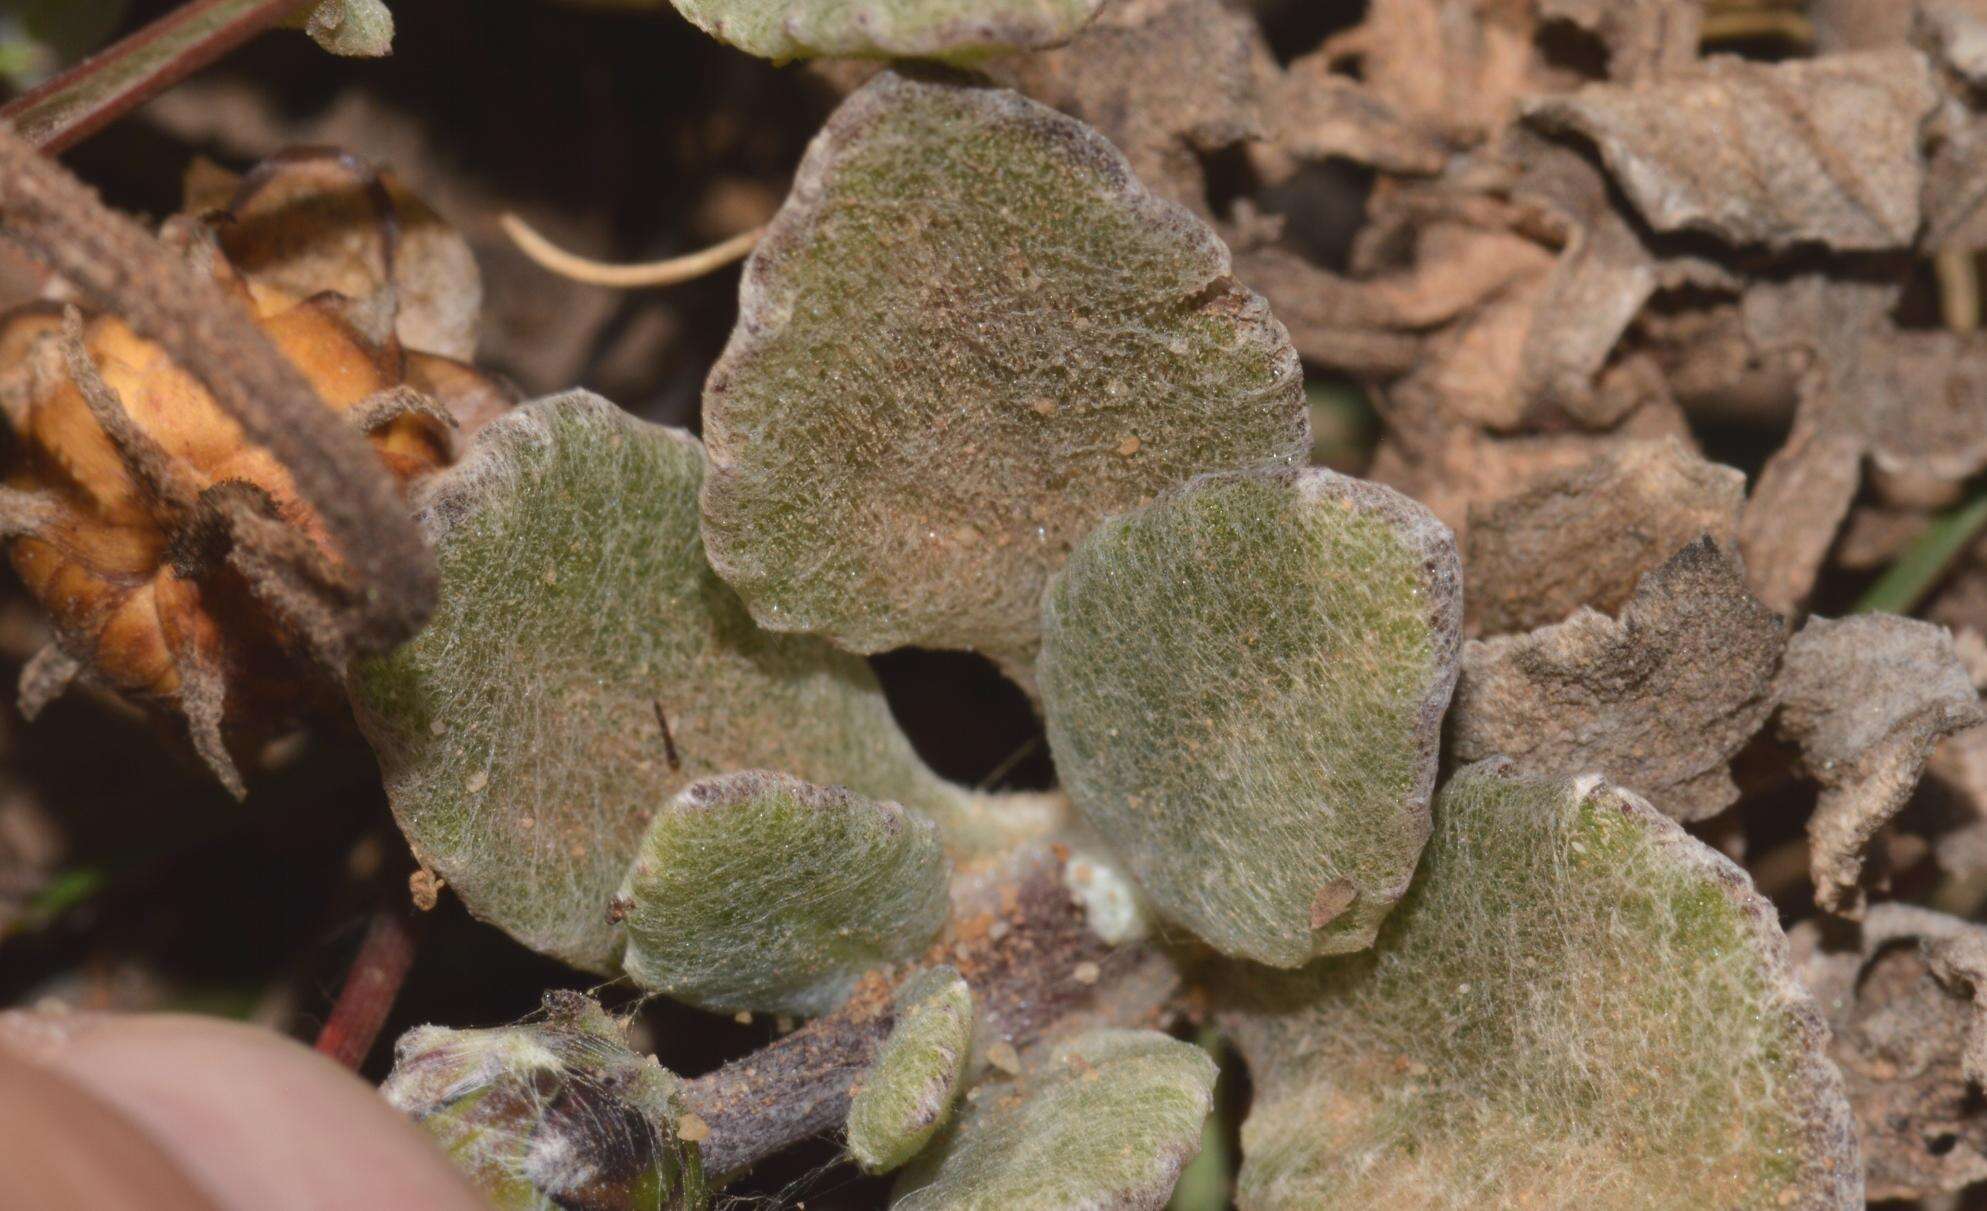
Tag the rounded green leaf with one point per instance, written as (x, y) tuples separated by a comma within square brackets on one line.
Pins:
[(584, 665), (969, 336), (956, 30), (1578, 1006), (760, 891), (1103, 1122), (909, 1091), (1244, 684)]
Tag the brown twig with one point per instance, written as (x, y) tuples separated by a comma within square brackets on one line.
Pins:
[(1022, 959), (372, 984), (209, 335), (64, 111)]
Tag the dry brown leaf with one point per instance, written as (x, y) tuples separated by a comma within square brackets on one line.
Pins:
[(1781, 154), (1450, 467), (1865, 698), (1905, 1015), (1319, 112), (1454, 68), (1644, 38), (1162, 79), (1806, 488), (1658, 701), (1586, 537)]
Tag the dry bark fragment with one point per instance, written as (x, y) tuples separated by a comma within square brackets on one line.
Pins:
[(1658, 701), (1586, 537), (1865, 698)]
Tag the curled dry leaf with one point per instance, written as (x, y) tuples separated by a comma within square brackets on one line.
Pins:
[(1451, 467), (1645, 39), (1781, 154), (758, 891), (1587, 537), (958, 30), (1105, 1120), (1318, 112), (1865, 699), (1827, 326), (552, 1114), (881, 472), (1578, 1006), (1454, 68), (1659, 700), (586, 665), (1243, 685), (1907, 1027), (1166, 81), (178, 562), (909, 1091)]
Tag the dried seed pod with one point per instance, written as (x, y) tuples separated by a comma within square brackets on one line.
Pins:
[(179, 564), (559, 1113)]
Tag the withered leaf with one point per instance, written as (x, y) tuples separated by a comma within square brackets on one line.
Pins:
[(1586, 537), (1807, 487), (1865, 698), (1779, 154), (1658, 701), (1905, 1015), (1163, 80), (1644, 38)]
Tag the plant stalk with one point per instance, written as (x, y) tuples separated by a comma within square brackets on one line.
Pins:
[(81, 101)]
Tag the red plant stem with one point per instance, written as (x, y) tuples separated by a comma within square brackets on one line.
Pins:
[(64, 111), (372, 984)]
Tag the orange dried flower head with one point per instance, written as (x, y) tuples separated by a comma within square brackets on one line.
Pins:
[(178, 563)]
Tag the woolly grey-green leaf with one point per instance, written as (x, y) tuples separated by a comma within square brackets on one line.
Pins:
[(1244, 685), (553, 1114), (756, 890), (969, 336), (1579, 1005), (356, 29), (955, 30), (584, 664), (1103, 1122), (909, 1091)]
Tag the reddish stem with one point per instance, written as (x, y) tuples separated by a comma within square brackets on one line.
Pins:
[(64, 111), (371, 986)]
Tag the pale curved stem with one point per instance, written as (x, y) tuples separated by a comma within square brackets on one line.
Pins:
[(627, 277)]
